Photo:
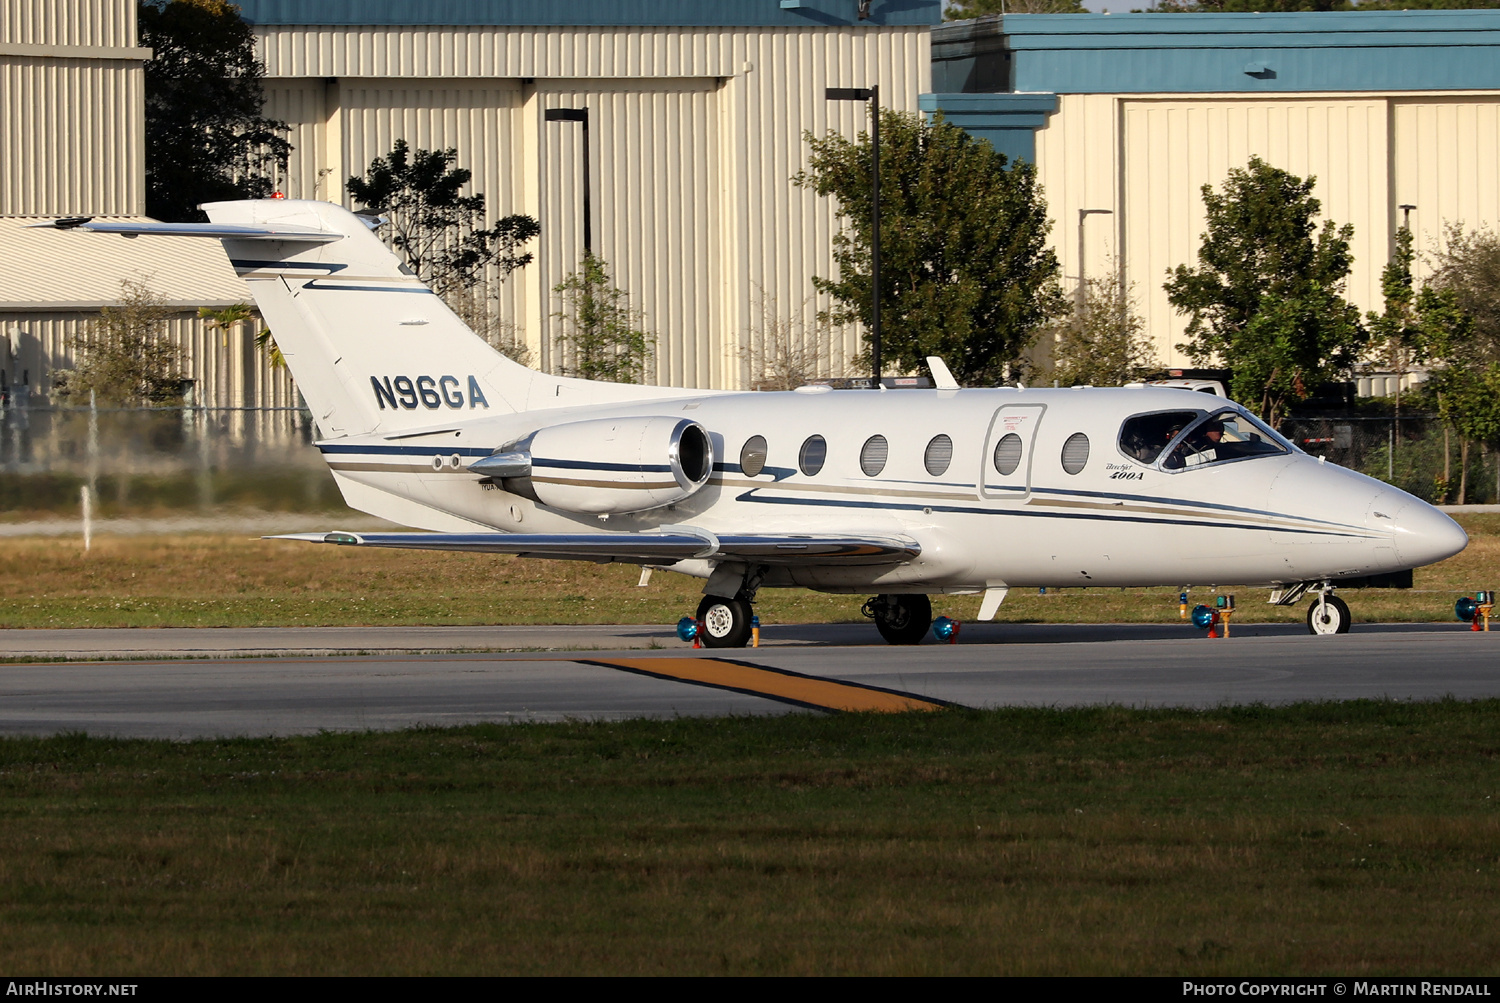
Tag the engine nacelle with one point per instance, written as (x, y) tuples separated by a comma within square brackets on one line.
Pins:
[(619, 465)]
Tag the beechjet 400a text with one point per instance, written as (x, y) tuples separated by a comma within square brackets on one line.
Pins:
[(897, 494)]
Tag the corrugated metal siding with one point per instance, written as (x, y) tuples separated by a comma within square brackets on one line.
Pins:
[(497, 52), (68, 22), (233, 375), (696, 136), (303, 105), (1148, 158), (1078, 165), (1159, 152), (72, 129), (655, 196), (1447, 163), (1173, 148)]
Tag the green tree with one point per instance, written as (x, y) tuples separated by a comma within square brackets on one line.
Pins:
[(437, 229), (1267, 296), (1104, 344), (124, 359), (966, 273), (961, 10), (1458, 315), (600, 330), (206, 137)]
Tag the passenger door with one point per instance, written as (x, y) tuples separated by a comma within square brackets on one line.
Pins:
[(1005, 466)]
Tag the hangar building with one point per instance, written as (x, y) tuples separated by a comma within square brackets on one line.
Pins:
[(697, 114), (1134, 113)]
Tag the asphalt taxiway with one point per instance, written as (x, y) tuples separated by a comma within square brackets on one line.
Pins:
[(300, 683)]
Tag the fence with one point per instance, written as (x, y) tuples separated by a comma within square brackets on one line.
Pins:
[(1413, 452), (147, 459)]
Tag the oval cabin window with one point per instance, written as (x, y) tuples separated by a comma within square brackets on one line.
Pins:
[(1008, 454), (1075, 454), (753, 456), (872, 458), (814, 452), (939, 454)]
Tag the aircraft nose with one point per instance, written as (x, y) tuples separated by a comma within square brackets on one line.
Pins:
[(1423, 535)]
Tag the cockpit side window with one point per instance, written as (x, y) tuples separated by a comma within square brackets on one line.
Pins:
[(1227, 434), (1144, 436)]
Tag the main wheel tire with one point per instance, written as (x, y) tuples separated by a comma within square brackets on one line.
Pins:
[(726, 622), (1328, 615), (903, 619)]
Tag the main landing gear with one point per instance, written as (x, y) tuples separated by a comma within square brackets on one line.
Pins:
[(726, 622), (901, 619)]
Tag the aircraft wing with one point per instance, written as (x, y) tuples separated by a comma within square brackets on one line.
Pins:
[(644, 548)]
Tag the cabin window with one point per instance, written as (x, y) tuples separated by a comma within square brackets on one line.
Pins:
[(1008, 454), (1143, 437), (1075, 453), (753, 455), (872, 458), (814, 452), (1227, 434), (939, 454)]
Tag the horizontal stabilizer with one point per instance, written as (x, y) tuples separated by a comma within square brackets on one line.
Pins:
[(643, 548), (220, 231)]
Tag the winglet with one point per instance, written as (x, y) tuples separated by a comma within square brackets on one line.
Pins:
[(941, 377)]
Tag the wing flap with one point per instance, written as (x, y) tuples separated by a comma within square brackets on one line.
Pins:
[(643, 548)]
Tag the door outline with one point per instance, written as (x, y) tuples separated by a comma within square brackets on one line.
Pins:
[(1009, 418)]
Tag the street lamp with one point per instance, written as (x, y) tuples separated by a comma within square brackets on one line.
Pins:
[(872, 95), (579, 115), (1082, 284), (1405, 215)]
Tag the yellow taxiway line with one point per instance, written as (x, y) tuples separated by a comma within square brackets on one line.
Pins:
[(775, 684)]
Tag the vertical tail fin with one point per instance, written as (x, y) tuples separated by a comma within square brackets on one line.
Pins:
[(370, 346)]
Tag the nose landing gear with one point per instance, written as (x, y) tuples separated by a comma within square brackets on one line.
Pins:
[(901, 619), (1328, 614)]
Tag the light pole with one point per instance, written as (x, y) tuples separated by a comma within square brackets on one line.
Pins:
[(579, 115), (872, 95), (1082, 284)]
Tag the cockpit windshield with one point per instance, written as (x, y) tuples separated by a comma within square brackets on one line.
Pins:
[(1144, 437), (1184, 440), (1227, 434)]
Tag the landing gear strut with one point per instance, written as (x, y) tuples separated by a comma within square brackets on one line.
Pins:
[(726, 622), (1328, 614), (901, 619)]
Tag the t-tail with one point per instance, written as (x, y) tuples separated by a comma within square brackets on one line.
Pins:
[(371, 347)]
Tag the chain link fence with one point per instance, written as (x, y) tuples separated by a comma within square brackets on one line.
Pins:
[(144, 460), (1413, 452)]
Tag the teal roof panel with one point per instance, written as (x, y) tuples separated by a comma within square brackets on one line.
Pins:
[(1310, 51)]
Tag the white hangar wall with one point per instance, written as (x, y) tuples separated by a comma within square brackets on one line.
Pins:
[(72, 107), (696, 134), (1147, 157)]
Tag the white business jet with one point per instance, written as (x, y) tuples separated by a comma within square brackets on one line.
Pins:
[(895, 493)]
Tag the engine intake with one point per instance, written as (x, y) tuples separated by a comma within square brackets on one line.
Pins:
[(607, 465)]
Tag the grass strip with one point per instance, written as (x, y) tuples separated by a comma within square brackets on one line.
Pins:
[(1352, 838), (225, 581)]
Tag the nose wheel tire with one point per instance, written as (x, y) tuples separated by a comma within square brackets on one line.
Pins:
[(726, 622), (1328, 615), (902, 619)]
